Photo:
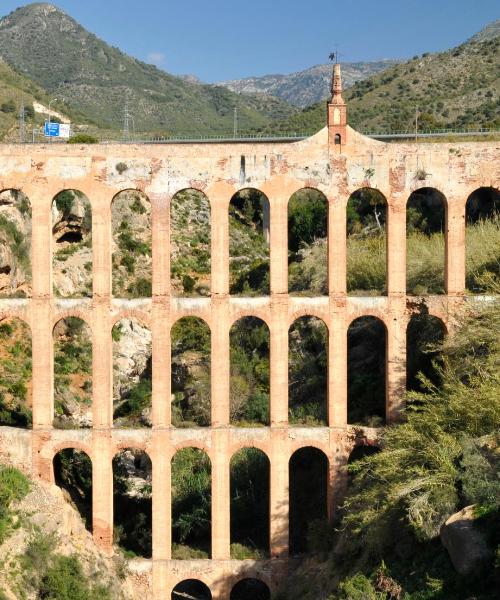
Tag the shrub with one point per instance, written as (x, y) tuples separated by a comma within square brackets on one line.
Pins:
[(83, 138), (121, 167)]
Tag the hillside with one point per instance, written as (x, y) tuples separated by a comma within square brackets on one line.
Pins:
[(453, 89), (52, 49), (304, 88)]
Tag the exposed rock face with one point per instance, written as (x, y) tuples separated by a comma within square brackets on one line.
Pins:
[(465, 543), (131, 356), (72, 236), (15, 240)]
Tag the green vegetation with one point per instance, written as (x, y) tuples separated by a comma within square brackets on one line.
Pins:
[(83, 138), (15, 373), (132, 256), (54, 576), (190, 243), (444, 457), (72, 373), (191, 351), (13, 487), (249, 382)]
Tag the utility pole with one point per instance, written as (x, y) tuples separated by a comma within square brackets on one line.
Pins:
[(21, 123), (127, 118), (53, 100), (416, 124), (235, 123)]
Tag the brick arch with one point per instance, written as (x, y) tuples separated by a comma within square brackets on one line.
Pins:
[(195, 315), (300, 445), (86, 193), (380, 315), (302, 312), (130, 313), (385, 192), (242, 313), (234, 448), (252, 573), (442, 195), (469, 190), (129, 189), (442, 316), (192, 443), (312, 186), (144, 446), (73, 445), (71, 312), (194, 576), (8, 315)]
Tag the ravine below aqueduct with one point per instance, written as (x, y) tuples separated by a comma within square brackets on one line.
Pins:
[(335, 161)]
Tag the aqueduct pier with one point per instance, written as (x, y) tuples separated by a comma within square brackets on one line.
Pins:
[(336, 161)]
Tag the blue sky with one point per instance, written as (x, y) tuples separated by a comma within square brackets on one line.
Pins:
[(227, 39)]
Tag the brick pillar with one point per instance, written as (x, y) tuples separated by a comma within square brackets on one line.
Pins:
[(41, 326), (101, 249), (395, 359), (279, 362), (337, 364), (221, 522), (102, 366), (102, 491), (396, 249), (279, 500), (220, 245), (161, 484), (220, 362), (337, 246), (455, 247), (279, 246)]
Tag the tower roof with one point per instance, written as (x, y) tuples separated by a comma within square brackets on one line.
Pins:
[(337, 85)]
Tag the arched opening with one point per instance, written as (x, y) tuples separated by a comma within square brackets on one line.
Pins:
[(308, 243), (131, 374), (482, 239), (425, 242), (366, 366), (132, 254), (16, 388), (191, 504), (190, 347), (249, 475), (366, 243), (308, 498), (191, 589), (249, 236), (423, 336), (338, 139), (250, 589), (307, 372), (249, 383), (15, 244), (132, 502), (73, 473), (72, 374), (190, 243), (72, 245)]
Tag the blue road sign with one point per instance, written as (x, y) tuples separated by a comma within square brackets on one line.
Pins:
[(51, 129)]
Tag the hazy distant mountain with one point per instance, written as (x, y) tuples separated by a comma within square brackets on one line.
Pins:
[(52, 49), (304, 88)]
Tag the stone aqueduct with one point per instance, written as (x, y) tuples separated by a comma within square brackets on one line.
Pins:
[(335, 161)]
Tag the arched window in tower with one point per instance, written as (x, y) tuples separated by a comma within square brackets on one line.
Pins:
[(307, 372), (190, 243), (482, 218), (73, 473), (249, 482), (191, 351), (308, 243), (366, 379), (250, 372), (72, 374), (15, 244), (308, 493), (366, 243), (191, 504), (16, 390), (132, 384), (249, 237), (72, 245), (424, 335), (132, 254), (338, 139), (425, 242), (132, 501)]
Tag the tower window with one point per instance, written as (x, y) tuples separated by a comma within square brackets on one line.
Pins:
[(338, 139)]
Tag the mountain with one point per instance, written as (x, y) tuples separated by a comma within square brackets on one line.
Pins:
[(453, 89), (98, 80), (304, 88)]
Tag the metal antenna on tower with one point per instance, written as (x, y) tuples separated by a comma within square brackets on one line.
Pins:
[(235, 123), (127, 117), (21, 123)]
